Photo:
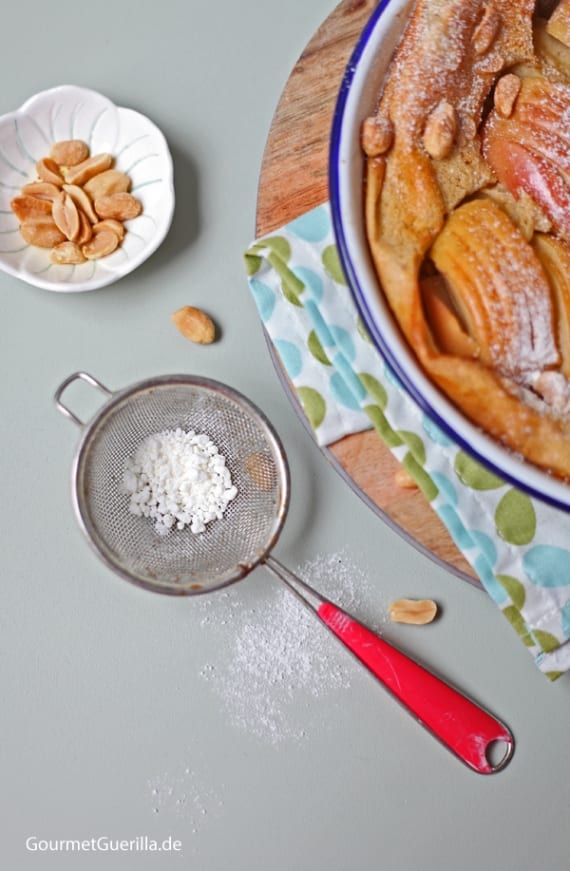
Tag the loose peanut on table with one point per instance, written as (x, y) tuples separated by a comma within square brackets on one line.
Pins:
[(195, 324), (417, 611)]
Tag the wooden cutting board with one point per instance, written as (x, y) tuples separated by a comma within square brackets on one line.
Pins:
[(293, 180)]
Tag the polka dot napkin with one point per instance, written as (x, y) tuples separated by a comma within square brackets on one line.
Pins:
[(518, 546)]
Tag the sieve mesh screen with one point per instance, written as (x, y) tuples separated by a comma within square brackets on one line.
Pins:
[(230, 545)]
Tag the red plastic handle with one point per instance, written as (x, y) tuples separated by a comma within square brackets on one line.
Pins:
[(459, 723)]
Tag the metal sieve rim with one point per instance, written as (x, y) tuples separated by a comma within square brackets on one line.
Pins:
[(94, 426)]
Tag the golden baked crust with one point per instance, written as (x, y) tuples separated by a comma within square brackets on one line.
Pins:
[(471, 254)]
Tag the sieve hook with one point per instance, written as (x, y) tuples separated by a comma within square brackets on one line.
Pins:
[(77, 376)]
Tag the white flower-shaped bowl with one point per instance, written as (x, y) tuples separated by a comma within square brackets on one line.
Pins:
[(139, 149)]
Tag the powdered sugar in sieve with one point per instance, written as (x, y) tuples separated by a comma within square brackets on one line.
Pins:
[(178, 479)]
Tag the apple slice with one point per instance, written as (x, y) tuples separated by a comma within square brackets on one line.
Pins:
[(554, 254), (447, 330), (499, 289), (521, 169), (530, 150)]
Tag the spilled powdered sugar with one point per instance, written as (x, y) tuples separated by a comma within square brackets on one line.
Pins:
[(271, 661), (185, 795), (276, 658)]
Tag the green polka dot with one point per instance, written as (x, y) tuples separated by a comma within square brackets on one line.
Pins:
[(291, 287), (332, 265), (382, 427), (415, 443), (515, 518), (362, 331), (252, 263), (474, 475), (546, 641), (316, 349), (375, 389), (421, 477), (313, 404), (278, 245), (516, 620), (514, 589), (279, 253)]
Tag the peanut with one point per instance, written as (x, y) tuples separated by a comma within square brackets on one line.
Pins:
[(120, 206), (440, 130), (43, 190), (48, 170), (87, 169), (506, 93), (109, 182), (41, 232), (377, 135), (66, 216), (101, 245), (110, 224), (67, 252), (486, 31), (195, 324), (69, 152), (26, 207), (417, 611), (81, 200), (85, 228)]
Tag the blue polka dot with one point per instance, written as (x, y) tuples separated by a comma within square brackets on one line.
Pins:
[(485, 544), (458, 532), (342, 393), (313, 226), (344, 342), (445, 487), (547, 566), (435, 433), (291, 357), (489, 580), (566, 619), (264, 297), (312, 281)]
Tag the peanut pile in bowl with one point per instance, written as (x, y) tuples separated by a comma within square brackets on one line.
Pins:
[(77, 206), (86, 190)]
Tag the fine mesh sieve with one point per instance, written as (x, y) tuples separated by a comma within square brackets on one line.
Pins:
[(186, 563), (180, 562)]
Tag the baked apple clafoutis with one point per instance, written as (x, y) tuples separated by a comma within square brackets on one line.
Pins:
[(468, 212)]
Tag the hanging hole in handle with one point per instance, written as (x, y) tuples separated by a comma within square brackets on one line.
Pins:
[(86, 401), (498, 753)]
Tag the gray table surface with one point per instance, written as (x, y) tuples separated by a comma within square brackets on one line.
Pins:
[(129, 715)]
